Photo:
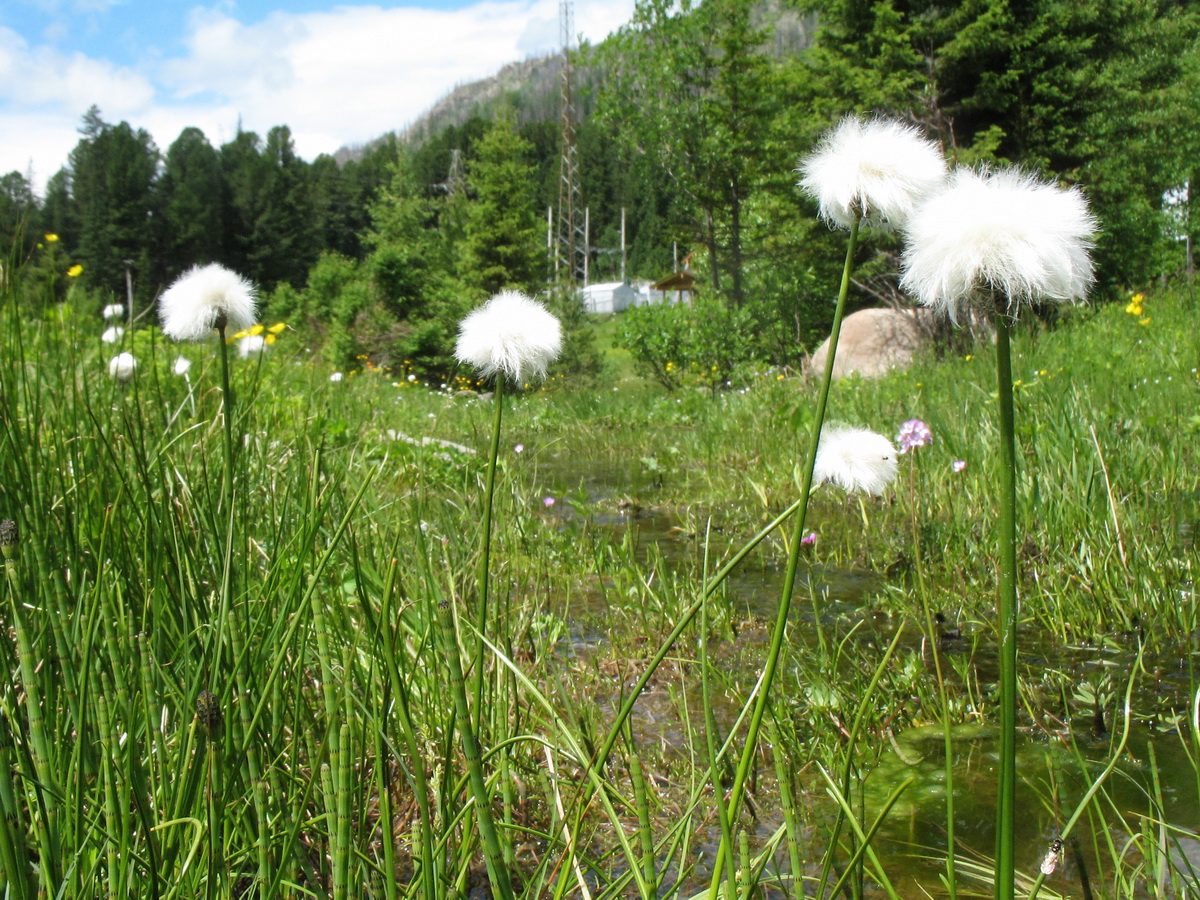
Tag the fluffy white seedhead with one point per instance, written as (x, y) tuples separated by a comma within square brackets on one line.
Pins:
[(113, 311), (203, 298), (112, 334), (510, 334), (181, 366), (879, 169), (1004, 235), (858, 459), (122, 366), (251, 345)]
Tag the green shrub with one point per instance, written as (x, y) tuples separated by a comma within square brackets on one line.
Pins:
[(699, 344)]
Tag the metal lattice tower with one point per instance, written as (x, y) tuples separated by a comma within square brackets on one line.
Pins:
[(570, 260)]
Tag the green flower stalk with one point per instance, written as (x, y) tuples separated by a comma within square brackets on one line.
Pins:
[(875, 172), (513, 336), (990, 244), (509, 336), (203, 300)]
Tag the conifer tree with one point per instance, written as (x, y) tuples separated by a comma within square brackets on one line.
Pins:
[(192, 189), (113, 171), (503, 243)]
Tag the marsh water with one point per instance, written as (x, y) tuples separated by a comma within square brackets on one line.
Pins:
[(1152, 773)]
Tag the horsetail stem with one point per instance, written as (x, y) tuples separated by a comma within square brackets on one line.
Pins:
[(342, 843), (641, 801)]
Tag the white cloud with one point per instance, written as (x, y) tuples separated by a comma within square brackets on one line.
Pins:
[(42, 78), (337, 77), (36, 144), (352, 73)]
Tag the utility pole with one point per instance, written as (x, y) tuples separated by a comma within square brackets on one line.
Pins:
[(570, 261), (624, 278)]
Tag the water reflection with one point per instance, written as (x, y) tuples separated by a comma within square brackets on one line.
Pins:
[(1150, 808)]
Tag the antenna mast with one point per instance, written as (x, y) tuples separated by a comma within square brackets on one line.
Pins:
[(570, 261)]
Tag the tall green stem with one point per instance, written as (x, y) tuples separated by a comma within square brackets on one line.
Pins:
[(485, 546), (789, 581), (226, 414), (218, 621), (1006, 794)]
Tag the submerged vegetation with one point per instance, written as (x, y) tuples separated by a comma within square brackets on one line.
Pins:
[(235, 690)]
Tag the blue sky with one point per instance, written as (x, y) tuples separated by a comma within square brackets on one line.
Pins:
[(335, 73)]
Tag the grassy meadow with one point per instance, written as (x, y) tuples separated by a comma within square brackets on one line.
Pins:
[(205, 699)]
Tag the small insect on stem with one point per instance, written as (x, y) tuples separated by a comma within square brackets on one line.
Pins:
[(1053, 855)]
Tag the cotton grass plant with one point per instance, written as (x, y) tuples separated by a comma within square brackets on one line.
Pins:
[(875, 172), (855, 459), (122, 367), (514, 337), (203, 301), (993, 243)]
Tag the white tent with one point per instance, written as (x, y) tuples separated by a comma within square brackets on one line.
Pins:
[(611, 296)]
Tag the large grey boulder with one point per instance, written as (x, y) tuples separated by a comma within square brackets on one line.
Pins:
[(873, 342)]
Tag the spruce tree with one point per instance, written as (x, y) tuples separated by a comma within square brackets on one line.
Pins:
[(503, 243), (192, 187)]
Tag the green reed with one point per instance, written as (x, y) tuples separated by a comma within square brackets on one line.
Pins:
[(336, 769)]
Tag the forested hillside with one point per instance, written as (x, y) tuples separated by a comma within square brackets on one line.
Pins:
[(692, 120)]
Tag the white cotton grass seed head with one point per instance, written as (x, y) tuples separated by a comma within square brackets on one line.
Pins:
[(880, 169), (999, 239), (510, 334), (181, 365), (112, 334), (122, 366), (857, 459), (203, 299), (113, 311), (251, 345)]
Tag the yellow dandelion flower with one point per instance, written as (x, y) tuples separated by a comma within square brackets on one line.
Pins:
[(51, 238), (1145, 321), (75, 271), (277, 327), (269, 339), (237, 336), (256, 330)]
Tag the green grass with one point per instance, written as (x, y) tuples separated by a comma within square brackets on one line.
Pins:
[(326, 761), (621, 367)]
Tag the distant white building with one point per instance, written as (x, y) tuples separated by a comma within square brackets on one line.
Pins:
[(609, 297), (648, 296)]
